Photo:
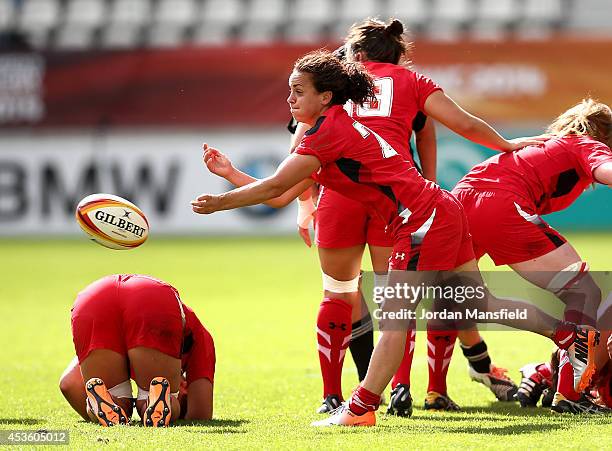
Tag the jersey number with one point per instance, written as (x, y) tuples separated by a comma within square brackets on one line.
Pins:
[(381, 106), (387, 150)]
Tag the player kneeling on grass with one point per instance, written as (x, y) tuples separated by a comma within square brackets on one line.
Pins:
[(134, 326)]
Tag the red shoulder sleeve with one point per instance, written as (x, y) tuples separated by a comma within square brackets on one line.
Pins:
[(320, 142), (425, 87), (593, 154)]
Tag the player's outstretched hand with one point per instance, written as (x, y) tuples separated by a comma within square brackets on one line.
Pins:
[(519, 143), (306, 214), (305, 235), (216, 161), (206, 204)]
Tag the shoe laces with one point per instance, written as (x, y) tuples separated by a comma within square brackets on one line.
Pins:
[(341, 408)]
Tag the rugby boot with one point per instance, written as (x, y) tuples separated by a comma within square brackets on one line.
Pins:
[(437, 401), (343, 416), (157, 412), (532, 385), (330, 403), (581, 356), (400, 403), (583, 405), (101, 404), (497, 381)]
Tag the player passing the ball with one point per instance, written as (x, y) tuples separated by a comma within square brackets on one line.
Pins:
[(135, 326), (344, 226), (429, 228)]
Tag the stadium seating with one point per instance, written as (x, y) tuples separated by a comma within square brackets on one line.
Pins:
[(413, 13), (494, 18), (7, 15), (38, 19), (543, 11), (171, 22), (263, 20), (449, 17), (82, 19), (350, 12), (217, 21), (309, 19), (81, 24), (127, 21), (540, 18), (590, 16)]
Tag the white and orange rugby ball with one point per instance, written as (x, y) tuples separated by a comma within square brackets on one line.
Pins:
[(112, 221)]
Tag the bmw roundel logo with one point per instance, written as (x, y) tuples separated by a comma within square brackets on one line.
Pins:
[(259, 167)]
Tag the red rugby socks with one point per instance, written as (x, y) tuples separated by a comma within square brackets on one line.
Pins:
[(363, 401), (565, 334), (565, 381), (440, 345), (402, 375), (333, 337)]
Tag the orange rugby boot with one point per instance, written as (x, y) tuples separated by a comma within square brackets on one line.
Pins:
[(101, 404), (581, 356), (343, 416), (157, 413)]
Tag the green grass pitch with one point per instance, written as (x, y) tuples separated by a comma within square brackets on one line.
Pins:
[(259, 299)]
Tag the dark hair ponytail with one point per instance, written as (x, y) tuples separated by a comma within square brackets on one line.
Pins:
[(346, 80), (379, 41), (395, 28), (360, 87)]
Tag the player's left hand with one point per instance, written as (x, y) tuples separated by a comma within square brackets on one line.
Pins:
[(206, 204), (305, 235), (519, 143), (216, 161), (610, 346)]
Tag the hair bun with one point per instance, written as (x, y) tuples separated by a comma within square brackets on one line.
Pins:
[(395, 28)]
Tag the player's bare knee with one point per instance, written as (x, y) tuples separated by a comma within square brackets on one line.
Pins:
[(66, 385)]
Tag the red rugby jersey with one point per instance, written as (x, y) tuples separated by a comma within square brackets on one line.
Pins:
[(198, 359), (400, 95), (358, 163), (551, 176)]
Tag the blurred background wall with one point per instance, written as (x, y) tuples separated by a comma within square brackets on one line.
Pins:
[(118, 95)]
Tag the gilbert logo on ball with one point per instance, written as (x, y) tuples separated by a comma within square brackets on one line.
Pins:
[(112, 221)]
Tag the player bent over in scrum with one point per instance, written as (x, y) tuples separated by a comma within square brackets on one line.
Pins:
[(135, 326), (505, 196), (428, 224)]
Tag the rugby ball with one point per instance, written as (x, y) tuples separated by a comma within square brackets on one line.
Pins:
[(112, 221)]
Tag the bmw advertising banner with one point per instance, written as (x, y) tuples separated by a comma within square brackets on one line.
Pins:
[(42, 180)]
